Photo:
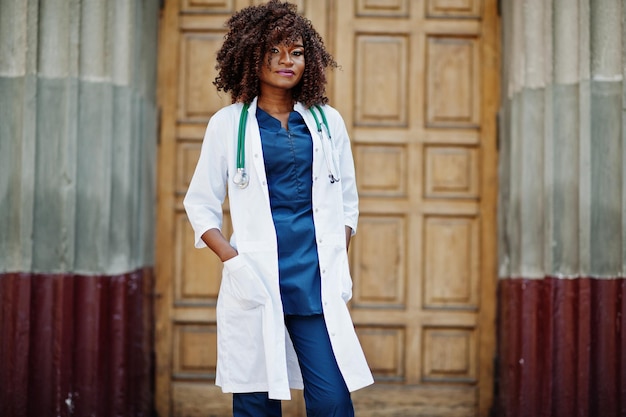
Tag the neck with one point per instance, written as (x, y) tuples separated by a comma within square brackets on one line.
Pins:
[(277, 102)]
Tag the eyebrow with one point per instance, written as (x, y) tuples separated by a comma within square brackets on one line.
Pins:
[(293, 45)]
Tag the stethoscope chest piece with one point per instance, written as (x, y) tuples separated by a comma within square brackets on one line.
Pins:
[(241, 179)]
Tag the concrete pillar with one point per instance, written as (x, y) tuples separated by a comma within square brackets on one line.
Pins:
[(562, 221), (78, 131)]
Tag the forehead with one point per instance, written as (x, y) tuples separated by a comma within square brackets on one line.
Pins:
[(286, 38), (298, 43)]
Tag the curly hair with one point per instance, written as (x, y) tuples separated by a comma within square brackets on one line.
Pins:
[(252, 31)]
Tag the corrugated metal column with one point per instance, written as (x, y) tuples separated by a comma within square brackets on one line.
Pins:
[(562, 221), (77, 196)]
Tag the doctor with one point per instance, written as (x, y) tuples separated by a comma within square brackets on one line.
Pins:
[(283, 157)]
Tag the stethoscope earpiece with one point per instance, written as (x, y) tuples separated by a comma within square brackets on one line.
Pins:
[(331, 164)]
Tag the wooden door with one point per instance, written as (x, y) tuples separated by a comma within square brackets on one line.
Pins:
[(417, 88)]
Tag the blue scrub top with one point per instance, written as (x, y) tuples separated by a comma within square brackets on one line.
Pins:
[(288, 156)]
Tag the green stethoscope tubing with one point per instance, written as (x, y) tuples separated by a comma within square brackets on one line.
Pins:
[(241, 177)]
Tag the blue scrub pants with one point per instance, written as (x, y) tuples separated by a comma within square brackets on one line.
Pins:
[(325, 392)]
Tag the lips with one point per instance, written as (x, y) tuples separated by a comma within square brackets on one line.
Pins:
[(286, 73)]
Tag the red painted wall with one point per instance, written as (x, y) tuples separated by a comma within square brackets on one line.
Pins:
[(562, 348), (76, 345)]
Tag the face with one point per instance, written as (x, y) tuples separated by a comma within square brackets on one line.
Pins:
[(283, 66)]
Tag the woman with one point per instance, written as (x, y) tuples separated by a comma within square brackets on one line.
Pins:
[(282, 316)]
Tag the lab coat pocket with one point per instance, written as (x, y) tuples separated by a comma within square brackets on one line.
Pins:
[(243, 284), (241, 349)]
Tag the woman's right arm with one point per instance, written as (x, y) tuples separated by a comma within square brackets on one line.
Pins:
[(216, 241), (207, 188)]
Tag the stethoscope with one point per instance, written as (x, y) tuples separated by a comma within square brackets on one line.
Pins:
[(241, 179)]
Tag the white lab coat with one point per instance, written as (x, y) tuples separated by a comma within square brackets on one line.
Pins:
[(255, 353)]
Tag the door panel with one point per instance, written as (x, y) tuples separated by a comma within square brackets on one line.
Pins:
[(417, 88)]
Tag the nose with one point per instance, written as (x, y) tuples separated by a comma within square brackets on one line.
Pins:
[(285, 57)]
